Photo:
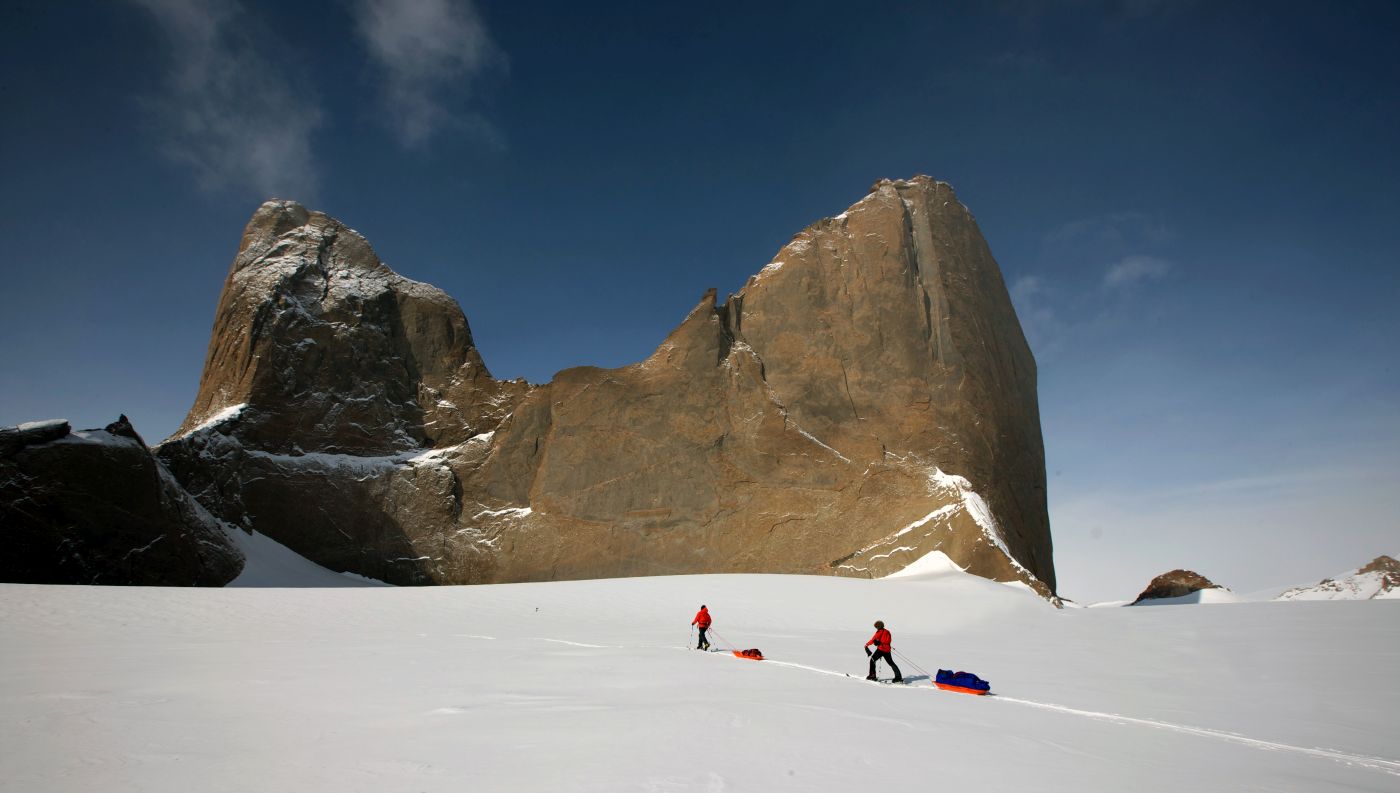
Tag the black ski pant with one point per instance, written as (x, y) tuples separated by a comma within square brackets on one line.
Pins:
[(703, 643), (877, 655)]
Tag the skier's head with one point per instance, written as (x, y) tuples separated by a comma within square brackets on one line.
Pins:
[(702, 606), (879, 624)]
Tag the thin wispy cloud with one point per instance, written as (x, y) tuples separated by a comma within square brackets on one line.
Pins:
[(1043, 329), (1112, 229), (228, 111), (1135, 269), (431, 54)]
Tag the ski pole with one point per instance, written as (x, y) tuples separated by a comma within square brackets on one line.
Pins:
[(690, 636)]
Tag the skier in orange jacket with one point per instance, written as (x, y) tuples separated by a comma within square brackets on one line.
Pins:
[(702, 619), (881, 640)]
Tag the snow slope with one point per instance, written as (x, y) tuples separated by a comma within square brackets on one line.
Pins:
[(1376, 581), (269, 563), (588, 686), (1199, 597)]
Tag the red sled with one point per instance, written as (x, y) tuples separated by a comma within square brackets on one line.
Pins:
[(960, 689), (752, 655)]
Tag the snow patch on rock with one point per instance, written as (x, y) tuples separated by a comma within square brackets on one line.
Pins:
[(508, 512), (1379, 580), (47, 425), (933, 563), (977, 509), (227, 414)]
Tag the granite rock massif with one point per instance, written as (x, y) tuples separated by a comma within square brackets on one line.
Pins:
[(96, 507), (865, 399)]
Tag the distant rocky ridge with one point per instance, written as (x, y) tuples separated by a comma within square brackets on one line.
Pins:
[(1175, 584), (867, 398), (96, 507), (1378, 580)]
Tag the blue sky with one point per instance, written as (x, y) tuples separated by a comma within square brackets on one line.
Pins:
[(1194, 204)]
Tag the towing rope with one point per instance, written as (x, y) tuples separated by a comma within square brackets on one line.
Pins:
[(911, 663), (725, 644)]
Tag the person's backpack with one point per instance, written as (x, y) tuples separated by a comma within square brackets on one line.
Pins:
[(753, 654)]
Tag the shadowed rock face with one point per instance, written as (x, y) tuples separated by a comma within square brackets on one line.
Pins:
[(95, 507), (1175, 584), (865, 399)]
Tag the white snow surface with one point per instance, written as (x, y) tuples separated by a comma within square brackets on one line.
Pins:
[(268, 563), (933, 563), (1199, 597), (97, 438), (589, 686), (46, 424)]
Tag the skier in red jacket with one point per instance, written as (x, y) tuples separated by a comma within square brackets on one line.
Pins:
[(702, 619), (881, 640)]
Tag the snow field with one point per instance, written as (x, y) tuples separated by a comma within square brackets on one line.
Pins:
[(588, 686)]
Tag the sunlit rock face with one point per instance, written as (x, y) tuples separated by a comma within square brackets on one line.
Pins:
[(865, 399)]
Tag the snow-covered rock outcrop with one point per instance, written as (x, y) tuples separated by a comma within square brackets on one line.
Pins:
[(1379, 580), (1183, 586)]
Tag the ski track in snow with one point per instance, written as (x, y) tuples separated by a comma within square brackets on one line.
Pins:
[(579, 644), (1374, 763)]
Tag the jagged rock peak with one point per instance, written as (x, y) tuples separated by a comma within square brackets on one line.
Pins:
[(324, 348), (918, 180), (122, 428), (1175, 584)]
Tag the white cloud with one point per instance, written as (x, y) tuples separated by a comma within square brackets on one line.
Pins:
[(1042, 328), (1025, 288), (229, 112), (1136, 268), (430, 52)]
